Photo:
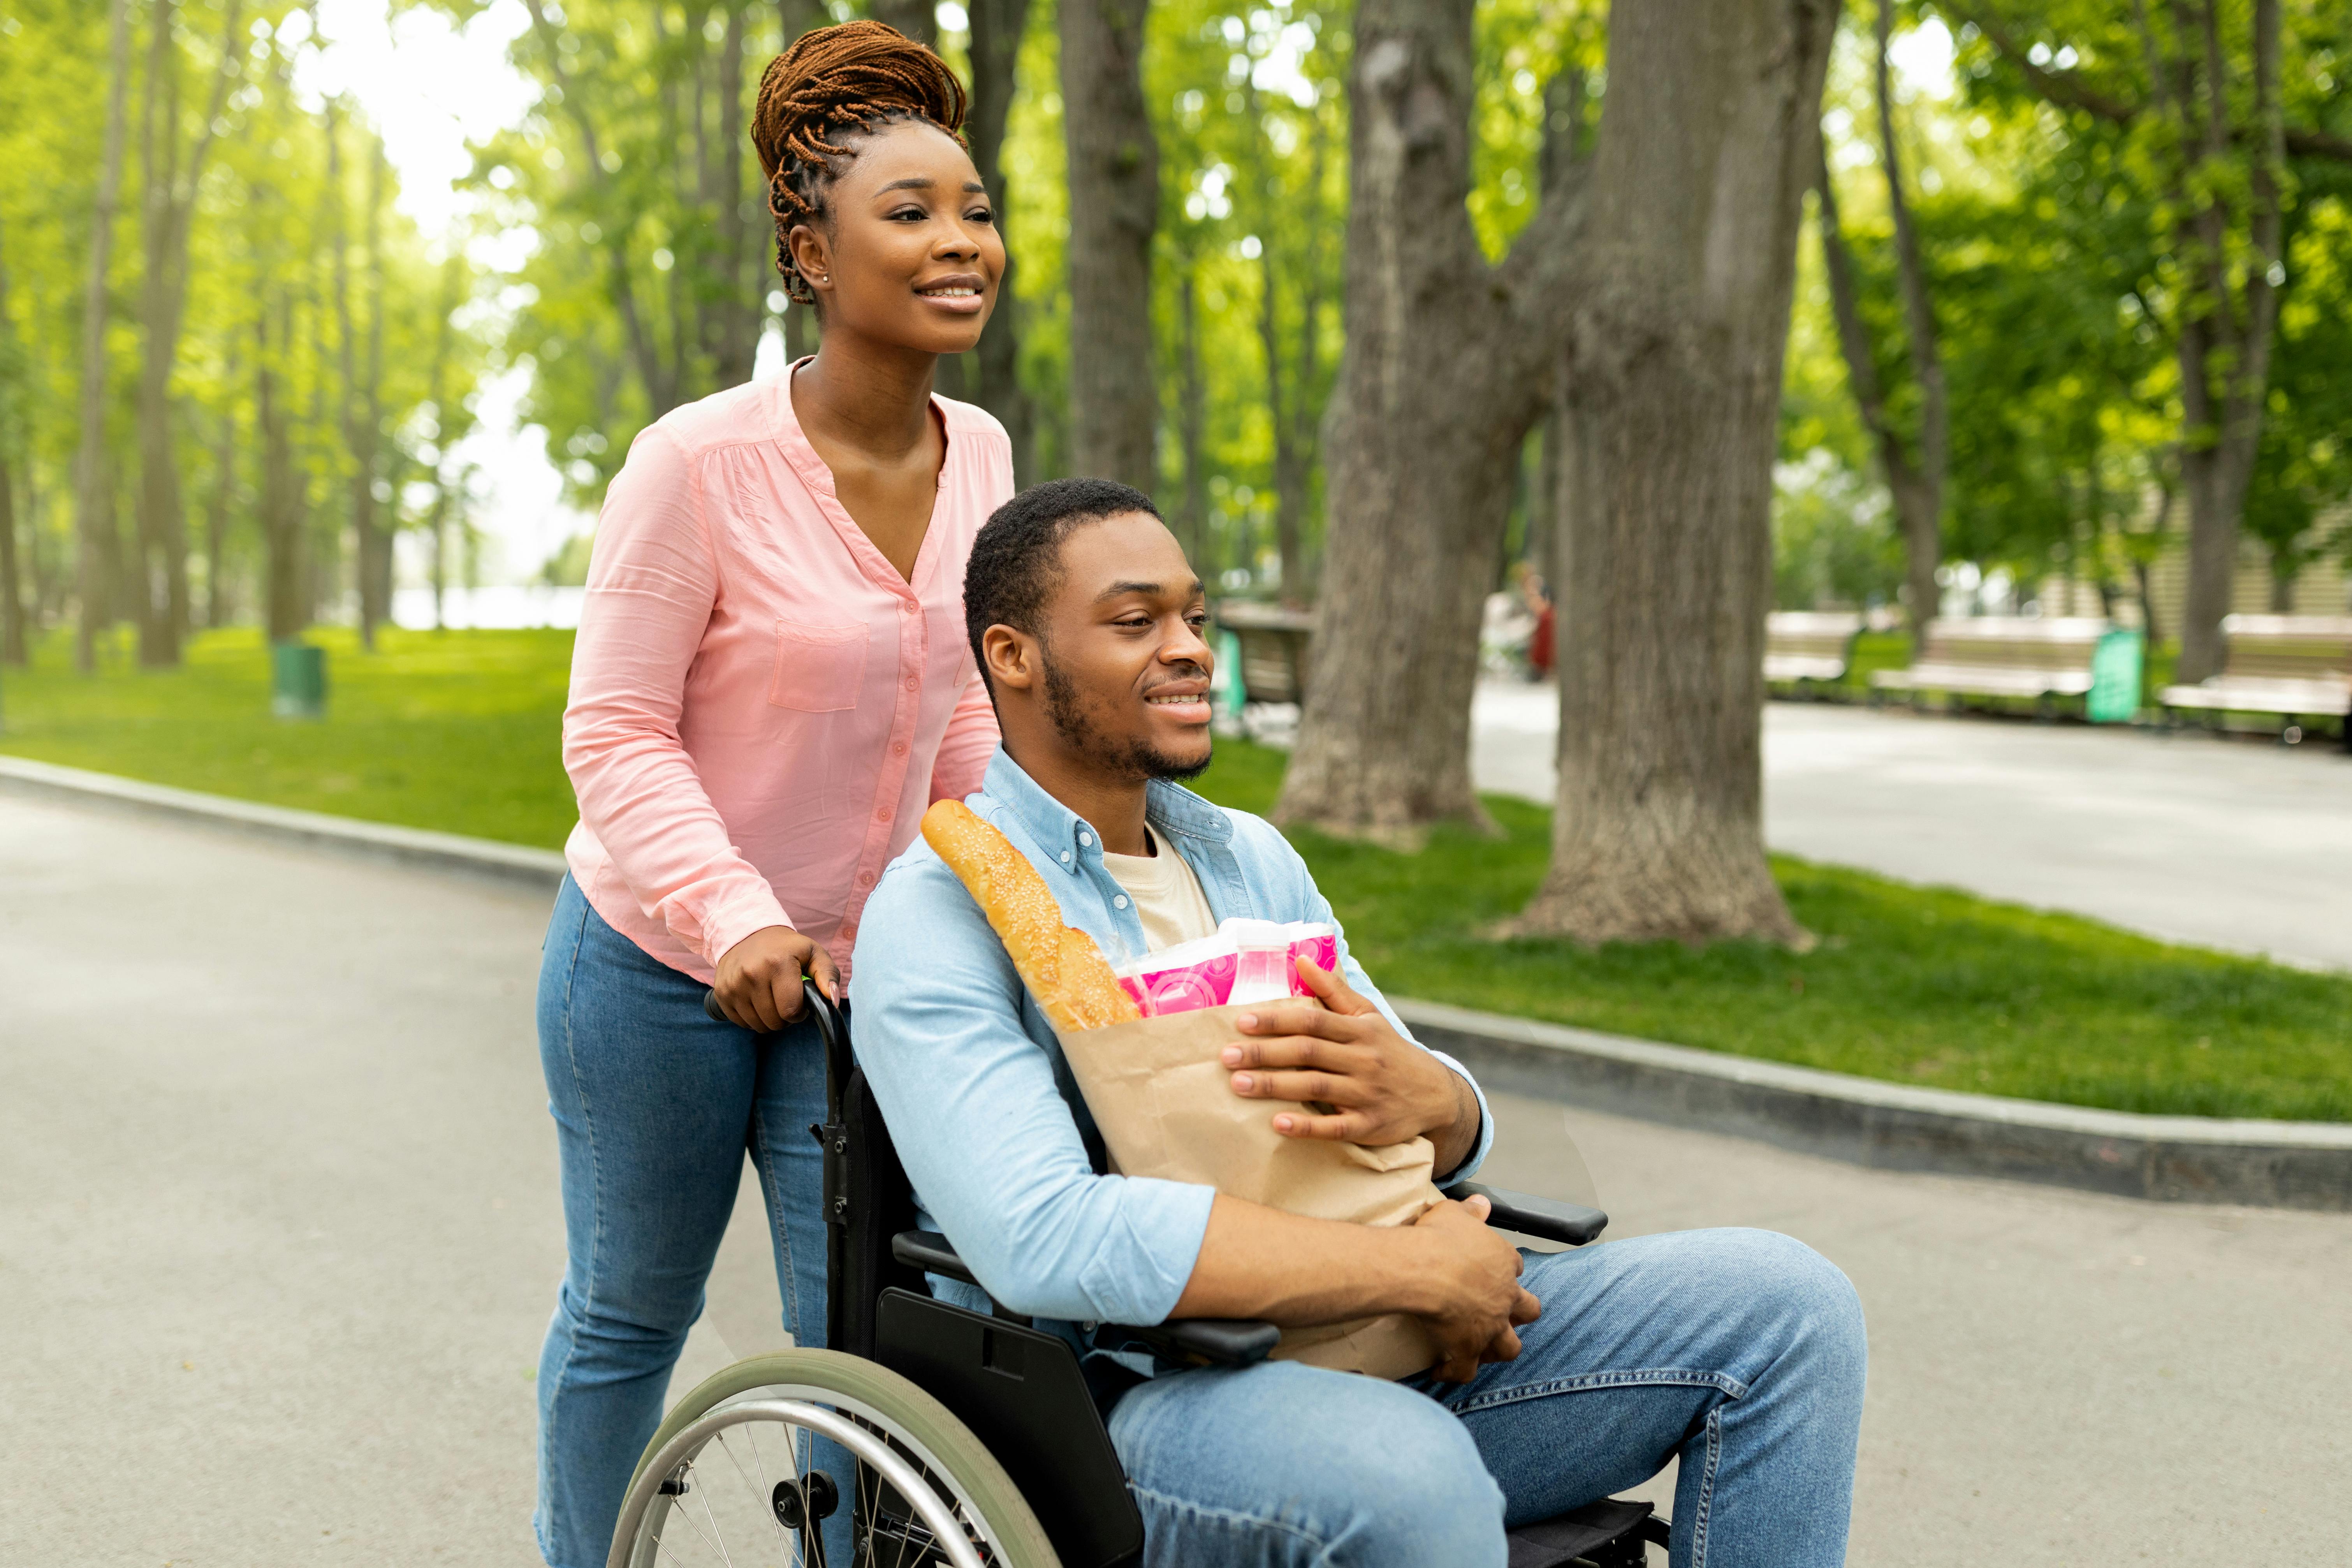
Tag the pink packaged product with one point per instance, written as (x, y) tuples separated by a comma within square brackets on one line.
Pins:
[(1248, 960)]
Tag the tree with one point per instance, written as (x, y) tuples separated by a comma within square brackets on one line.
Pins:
[(2213, 134), (12, 591), (1915, 467), (1446, 366), (93, 513), (1114, 203), (997, 28), (1707, 145)]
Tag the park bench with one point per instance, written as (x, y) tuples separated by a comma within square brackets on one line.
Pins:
[(2032, 659), (2297, 667), (1801, 646), (1275, 662)]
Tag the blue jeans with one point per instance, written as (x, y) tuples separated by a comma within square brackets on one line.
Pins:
[(1738, 1352), (655, 1107)]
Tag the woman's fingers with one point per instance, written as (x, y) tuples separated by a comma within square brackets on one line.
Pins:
[(825, 973)]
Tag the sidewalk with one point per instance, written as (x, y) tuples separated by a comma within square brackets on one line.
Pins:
[(2237, 845)]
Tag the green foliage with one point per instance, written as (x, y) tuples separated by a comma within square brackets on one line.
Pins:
[(261, 248), (1919, 985)]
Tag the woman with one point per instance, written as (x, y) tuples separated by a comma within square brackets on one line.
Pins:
[(771, 683)]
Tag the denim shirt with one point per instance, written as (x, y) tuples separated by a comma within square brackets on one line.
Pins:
[(1005, 1158)]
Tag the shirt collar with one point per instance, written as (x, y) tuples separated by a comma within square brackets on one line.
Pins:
[(1066, 835)]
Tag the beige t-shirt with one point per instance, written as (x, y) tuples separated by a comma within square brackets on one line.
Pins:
[(1167, 895)]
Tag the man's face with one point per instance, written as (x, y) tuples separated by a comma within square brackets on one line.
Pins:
[(1126, 670)]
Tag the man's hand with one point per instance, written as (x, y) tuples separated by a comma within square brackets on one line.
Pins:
[(1338, 1050), (1474, 1274), (759, 978)]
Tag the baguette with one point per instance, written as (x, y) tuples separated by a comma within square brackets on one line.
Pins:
[(1061, 966)]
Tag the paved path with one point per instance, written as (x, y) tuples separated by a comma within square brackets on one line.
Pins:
[(279, 1239), (2239, 845)]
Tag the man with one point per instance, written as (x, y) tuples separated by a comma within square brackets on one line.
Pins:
[(1563, 1377)]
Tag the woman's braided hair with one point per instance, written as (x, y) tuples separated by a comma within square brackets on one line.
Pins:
[(836, 83)]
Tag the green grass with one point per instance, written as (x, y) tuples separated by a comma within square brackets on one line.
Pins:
[(1919, 985), (458, 731), (455, 731)]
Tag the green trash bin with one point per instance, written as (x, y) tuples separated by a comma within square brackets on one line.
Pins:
[(297, 681), (2116, 667)]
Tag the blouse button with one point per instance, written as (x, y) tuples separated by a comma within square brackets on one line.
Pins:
[(914, 683), (865, 878), (898, 748), (1120, 902), (883, 814)]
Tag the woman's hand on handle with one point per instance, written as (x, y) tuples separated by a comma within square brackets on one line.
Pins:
[(759, 978)]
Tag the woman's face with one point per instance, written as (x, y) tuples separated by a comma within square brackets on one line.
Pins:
[(913, 257)]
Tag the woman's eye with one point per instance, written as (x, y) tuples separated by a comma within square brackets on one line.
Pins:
[(980, 215)]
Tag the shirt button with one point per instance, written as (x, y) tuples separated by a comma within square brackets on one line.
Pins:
[(914, 683), (883, 814), (865, 878), (1086, 840), (1065, 857), (1120, 902), (849, 930), (898, 748)]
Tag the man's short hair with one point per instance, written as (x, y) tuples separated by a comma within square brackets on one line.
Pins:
[(1016, 557)]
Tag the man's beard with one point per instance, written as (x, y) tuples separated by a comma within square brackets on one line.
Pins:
[(1136, 759)]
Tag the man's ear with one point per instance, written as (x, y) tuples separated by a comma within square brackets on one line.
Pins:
[(1012, 657)]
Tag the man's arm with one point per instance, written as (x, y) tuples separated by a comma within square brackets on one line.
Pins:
[(1459, 1278), (982, 1127)]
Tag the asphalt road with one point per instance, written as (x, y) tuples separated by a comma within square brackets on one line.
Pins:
[(280, 1235), (2239, 845)]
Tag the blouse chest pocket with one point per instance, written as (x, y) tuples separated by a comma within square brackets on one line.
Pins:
[(819, 666)]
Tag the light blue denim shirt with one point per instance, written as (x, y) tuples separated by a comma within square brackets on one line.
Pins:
[(1005, 1158)]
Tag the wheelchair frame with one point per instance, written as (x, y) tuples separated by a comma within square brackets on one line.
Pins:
[(1025, 1393)]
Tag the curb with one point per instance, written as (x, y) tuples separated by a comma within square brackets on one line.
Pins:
[(1891, 1126), (538, 869), (1866, 1122)]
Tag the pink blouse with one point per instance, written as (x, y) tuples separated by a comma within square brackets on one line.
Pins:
[(760, 706)]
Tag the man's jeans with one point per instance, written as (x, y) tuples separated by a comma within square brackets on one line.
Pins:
[(655, 1107), (1738, 1352)]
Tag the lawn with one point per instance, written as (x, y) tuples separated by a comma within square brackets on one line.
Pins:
[(458, 731)]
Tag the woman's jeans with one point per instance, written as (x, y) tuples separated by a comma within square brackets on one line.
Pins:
[(656, 1106), (1738, 1351)]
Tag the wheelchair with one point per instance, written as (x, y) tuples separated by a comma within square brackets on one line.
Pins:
[(975, 1440)]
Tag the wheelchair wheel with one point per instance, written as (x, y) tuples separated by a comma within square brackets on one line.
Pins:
[(726, 1480)]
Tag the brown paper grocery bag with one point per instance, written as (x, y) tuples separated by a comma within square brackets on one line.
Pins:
[(1163, 1102)]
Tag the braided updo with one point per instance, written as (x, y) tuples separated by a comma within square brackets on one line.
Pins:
[(836, 83)]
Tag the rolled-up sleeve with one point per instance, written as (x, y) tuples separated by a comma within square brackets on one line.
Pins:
[(652, 582), (982, 1127), (970, 742)]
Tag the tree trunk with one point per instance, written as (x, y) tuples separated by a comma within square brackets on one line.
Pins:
[(1289, 459), (375, 577), (217, 602), (90, 458), (1446, 363), (1114, 193), (737, 311), (919, 19), (1709, 136), (281, 511), (12, 591), (1922, 509), (1916, 516), (2225, 334), (997, 28), (1193, 524)]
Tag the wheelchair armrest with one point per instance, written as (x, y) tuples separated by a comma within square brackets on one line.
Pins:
[(1207, 1341), (1546, 1219), (1213, 1342), (930, 1252)]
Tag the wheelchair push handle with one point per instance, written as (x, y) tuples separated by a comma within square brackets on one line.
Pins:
[(828, 1018)]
